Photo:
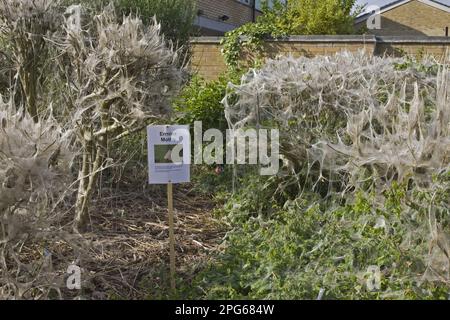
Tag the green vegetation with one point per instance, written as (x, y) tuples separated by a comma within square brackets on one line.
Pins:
[(200, 100)]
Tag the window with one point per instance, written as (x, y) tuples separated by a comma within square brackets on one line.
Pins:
[(258, 3)]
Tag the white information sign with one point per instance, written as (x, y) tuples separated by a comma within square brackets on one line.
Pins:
[(169, 152)]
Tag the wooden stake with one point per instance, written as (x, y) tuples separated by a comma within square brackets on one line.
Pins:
[(171, 236)]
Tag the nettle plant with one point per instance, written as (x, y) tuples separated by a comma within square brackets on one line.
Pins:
[(121, 76), (35, 162)]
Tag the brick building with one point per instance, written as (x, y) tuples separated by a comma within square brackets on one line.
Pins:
[(412, 18), (215, 17)]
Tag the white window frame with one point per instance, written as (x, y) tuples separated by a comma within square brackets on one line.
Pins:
[(247, 2), (258, 4)]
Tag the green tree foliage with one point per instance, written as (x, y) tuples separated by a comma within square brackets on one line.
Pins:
[(319, 17)]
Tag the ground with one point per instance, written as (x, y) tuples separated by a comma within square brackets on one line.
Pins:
[(131, 248)]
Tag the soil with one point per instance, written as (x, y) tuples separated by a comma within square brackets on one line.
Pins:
[(129, 234)]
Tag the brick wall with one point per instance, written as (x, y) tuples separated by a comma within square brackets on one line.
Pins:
[(319, 45), (207, 59), (208, 62), (438, 47), (412, 19)]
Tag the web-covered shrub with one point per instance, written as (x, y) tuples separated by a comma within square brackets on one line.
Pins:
[(27, 27), (401, 140), (35, 160), (311, 99), (122, 76)]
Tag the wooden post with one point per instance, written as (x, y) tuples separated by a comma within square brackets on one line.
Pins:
[(171, 236)]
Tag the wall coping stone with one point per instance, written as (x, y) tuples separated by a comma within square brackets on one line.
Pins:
[(341, 38), (413, 39)]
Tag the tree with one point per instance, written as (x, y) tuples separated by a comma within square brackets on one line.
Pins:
[(122, 76), (319, 17)]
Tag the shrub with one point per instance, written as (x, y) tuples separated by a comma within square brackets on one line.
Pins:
[(28, 55), (201, 100), (391, 211), (403, 140), (309, 98)]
